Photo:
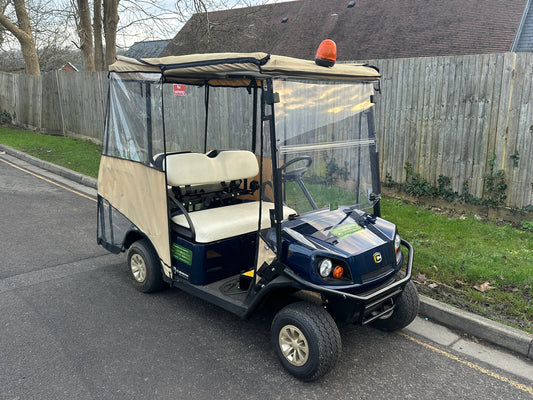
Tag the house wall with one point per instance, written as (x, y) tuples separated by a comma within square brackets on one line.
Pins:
[(443, 115)]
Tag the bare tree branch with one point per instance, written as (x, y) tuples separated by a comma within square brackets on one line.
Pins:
[(22, 31)]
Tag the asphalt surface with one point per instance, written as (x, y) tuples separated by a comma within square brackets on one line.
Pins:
[(73, 327)]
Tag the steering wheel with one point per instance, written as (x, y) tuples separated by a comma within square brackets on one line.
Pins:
[(296, 174)]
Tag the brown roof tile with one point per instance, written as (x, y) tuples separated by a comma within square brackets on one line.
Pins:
[(372, 29)]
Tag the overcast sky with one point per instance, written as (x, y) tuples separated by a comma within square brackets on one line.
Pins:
[(135, 22), (168, 28)]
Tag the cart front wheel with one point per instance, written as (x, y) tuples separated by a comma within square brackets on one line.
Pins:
[(306, 340), (144, 267)]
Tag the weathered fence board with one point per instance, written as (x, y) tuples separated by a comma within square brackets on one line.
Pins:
[(51, 119), (8, 93), (452, 114), (446, 116)]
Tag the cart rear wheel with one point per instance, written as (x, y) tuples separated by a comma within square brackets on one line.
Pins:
[(144, 267), (404, 313), (306, 340)]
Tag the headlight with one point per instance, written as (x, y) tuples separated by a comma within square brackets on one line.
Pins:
[(397, 250), (325, 267), (397, 242)]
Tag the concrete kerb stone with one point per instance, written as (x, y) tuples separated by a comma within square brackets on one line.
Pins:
[(56, 169), (502, 335), (483, 328)]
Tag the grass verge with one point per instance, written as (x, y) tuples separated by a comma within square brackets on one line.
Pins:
[(78, 155), (481, 266)]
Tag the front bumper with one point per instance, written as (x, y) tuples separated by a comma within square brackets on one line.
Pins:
[(364, 307)]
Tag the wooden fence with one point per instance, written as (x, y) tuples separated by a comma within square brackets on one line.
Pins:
[(68, 103), (449, 115), (444, 115)]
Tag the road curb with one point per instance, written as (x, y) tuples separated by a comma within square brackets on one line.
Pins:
[(502, 335), (56, 169)]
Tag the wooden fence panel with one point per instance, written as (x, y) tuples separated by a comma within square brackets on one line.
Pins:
[(82, 102), (8, 93), (28, 101), (443, 115), (51, 120), (451, 114)]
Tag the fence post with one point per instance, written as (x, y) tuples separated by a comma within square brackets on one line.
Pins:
[(60, 103)]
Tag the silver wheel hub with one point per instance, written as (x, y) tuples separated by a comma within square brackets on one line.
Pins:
[(293, 345), (138, 268)]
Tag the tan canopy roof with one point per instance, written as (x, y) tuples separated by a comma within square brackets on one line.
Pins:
[(221, 66)]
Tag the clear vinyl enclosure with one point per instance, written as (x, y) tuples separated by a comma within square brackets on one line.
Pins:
[(328, 128), (323, 133), (324, 129)]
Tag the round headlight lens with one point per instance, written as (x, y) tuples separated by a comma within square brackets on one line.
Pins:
[(397, 249), (397, 242), (325, 267)]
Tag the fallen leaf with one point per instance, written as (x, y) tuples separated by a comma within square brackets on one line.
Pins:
[(435, 268), (421, 277), (483, 287), (460, 282), (527, 287), (514, 290), (433, 285), (501, 277)]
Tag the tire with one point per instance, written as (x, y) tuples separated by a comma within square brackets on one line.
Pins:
[(306, 339), (143, 263), (404, 313)]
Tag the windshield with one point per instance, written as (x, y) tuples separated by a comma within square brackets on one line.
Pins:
[(326, 144)]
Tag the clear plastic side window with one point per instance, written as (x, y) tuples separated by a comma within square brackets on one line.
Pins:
[(134, 126), (112, 226)]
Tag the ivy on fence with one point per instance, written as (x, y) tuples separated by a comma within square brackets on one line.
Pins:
[(494, 193)]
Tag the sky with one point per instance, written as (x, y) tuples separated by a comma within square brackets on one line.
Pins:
[(136, 23), (168, 28)]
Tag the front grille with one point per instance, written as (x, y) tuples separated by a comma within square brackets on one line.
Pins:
[(374, 274)]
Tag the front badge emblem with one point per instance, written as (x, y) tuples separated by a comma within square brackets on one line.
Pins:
[(377, 258)]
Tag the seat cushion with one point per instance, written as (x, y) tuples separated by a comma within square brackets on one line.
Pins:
[(220, 223), (200, 169)]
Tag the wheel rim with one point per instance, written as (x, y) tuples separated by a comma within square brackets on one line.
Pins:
[(293, 345), (138, 267)]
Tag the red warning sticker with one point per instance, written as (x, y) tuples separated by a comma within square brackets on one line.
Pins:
[(179, 90)]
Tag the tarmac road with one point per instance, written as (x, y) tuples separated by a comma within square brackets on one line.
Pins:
[(73, 327)]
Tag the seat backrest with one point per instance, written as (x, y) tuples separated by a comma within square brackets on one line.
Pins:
[(199, 169)]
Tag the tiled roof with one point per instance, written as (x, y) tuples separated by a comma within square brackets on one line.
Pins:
[(372, 29), (146, 49)]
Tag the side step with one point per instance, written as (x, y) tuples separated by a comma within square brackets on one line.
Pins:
[(212, 293)]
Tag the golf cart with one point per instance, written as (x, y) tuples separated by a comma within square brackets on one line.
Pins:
[(240, 177)]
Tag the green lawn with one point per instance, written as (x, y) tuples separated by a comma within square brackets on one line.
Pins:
[(458, 251), (453, 252), (77, 155)]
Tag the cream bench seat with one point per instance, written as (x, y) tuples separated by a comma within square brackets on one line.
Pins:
[(213, 224), (224, 222)]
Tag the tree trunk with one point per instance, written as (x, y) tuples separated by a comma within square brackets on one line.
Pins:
[(97, 28), (110, 29), (24, 35), (85, 33)]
